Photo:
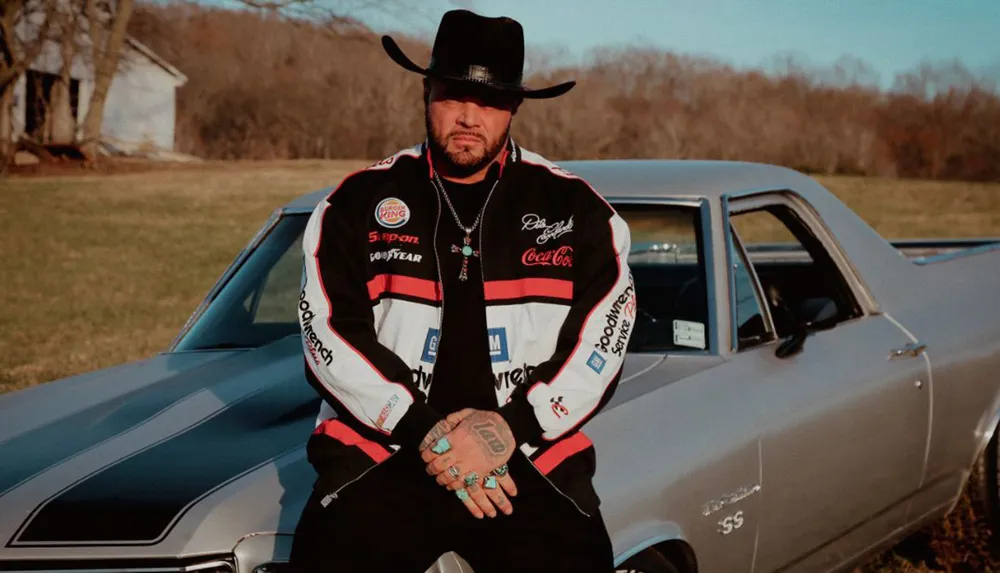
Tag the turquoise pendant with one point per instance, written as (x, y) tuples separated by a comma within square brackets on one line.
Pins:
[(467, 250)]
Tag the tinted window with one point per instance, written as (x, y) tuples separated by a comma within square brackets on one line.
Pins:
[(257, 305), (668, 265), (792, 265)]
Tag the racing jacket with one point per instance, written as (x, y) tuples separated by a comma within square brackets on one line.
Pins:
[(560, 303)]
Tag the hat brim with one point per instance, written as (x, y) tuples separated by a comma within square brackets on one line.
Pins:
[(396, 54)]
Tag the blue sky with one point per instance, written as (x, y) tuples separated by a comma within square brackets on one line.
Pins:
[(889, 35)]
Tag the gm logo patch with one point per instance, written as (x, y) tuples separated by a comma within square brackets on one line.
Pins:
[(431, 345), (596, 362), (498, 344)]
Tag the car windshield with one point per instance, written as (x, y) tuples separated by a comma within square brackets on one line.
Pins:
[(257, 304)]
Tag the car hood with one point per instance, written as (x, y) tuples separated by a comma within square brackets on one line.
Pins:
[(171, 456), (186, 455)]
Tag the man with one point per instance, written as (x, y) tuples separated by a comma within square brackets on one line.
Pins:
[(455, 313)]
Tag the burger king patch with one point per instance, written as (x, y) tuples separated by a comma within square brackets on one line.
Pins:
[(392, 213)]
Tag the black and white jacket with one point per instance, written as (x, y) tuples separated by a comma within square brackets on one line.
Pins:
[(560, 302)]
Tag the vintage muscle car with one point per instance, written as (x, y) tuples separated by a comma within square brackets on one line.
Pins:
[(799, 393)]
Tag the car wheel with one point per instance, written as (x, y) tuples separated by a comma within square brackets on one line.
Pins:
[(648, 560), (984, 488)]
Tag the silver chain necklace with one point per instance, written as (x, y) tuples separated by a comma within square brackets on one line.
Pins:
[(466, 249)]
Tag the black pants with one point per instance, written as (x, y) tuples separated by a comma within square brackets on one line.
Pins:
[(398, 520)]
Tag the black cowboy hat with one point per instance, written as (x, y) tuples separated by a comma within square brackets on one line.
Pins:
[(486, 52)]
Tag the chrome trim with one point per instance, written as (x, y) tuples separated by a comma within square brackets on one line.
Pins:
[(708, 252), (960, 253), (227, 566), (730, 275)]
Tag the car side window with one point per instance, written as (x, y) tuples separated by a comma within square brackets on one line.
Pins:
[(667, 260), (792, 266), (751, 320)]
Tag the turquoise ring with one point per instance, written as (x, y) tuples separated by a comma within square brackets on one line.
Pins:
[(490, 482), (500, 471), (462, 494), (441, 446), (471, 478)]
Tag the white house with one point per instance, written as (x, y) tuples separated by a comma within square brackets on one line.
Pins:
[(140, 110)]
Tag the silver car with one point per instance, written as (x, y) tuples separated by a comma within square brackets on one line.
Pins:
[(799, 393)]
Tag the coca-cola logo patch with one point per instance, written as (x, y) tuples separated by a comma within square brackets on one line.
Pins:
[(561, 257)]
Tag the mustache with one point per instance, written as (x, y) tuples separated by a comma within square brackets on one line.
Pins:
[(478, 136)]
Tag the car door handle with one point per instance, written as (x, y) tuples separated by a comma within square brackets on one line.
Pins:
[(911, 350)]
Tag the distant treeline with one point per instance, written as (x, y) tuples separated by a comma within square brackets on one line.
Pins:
[(263, 87)]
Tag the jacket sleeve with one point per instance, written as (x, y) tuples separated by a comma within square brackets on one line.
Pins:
[(350, 368), (568, 389)]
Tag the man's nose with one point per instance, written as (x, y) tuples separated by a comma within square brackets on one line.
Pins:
[(470, 114)]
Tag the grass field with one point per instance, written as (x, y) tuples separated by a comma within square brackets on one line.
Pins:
[(103, 269)]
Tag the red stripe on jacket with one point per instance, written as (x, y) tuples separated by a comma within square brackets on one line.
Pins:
[(558, 453), (521, 288), (339, 431), (401, 284)]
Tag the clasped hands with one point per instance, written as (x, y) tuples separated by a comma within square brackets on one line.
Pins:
[(467, 453)]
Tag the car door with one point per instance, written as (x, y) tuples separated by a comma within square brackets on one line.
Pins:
[(844, 427)]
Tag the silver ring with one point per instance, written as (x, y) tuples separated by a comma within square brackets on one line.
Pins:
[(453, 471)]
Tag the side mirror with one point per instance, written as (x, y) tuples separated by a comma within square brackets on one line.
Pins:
[(812, 315)]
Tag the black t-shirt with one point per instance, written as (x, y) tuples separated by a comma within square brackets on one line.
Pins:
[(463, 376)]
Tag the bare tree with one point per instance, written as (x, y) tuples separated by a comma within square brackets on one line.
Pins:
[(24, 26), (60, 123), (107, 21)]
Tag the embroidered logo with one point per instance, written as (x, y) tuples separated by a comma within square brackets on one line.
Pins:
[(561, 257), (498, 344), (392, 213), (596, 362), (395, 255), (557, 408), (431, 345), (532, 222), (375, 236)]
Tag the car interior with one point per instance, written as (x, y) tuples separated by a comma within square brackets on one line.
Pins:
[(795, 273)]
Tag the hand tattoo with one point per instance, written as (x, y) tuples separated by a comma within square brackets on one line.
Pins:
[(439, 430), (487, 431), (494, 438)]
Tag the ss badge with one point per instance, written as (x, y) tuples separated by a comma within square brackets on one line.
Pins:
[(731, 523)]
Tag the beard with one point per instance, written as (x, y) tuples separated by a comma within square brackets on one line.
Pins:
[(465, 160)]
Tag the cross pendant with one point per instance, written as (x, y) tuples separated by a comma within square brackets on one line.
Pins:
[(466, 251)]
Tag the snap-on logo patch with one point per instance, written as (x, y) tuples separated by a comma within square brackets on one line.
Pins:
[(392, 213)]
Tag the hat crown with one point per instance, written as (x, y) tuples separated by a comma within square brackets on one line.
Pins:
[(481, 51), (479, 48)]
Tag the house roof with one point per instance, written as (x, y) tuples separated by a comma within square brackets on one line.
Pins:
[(156, 59)]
